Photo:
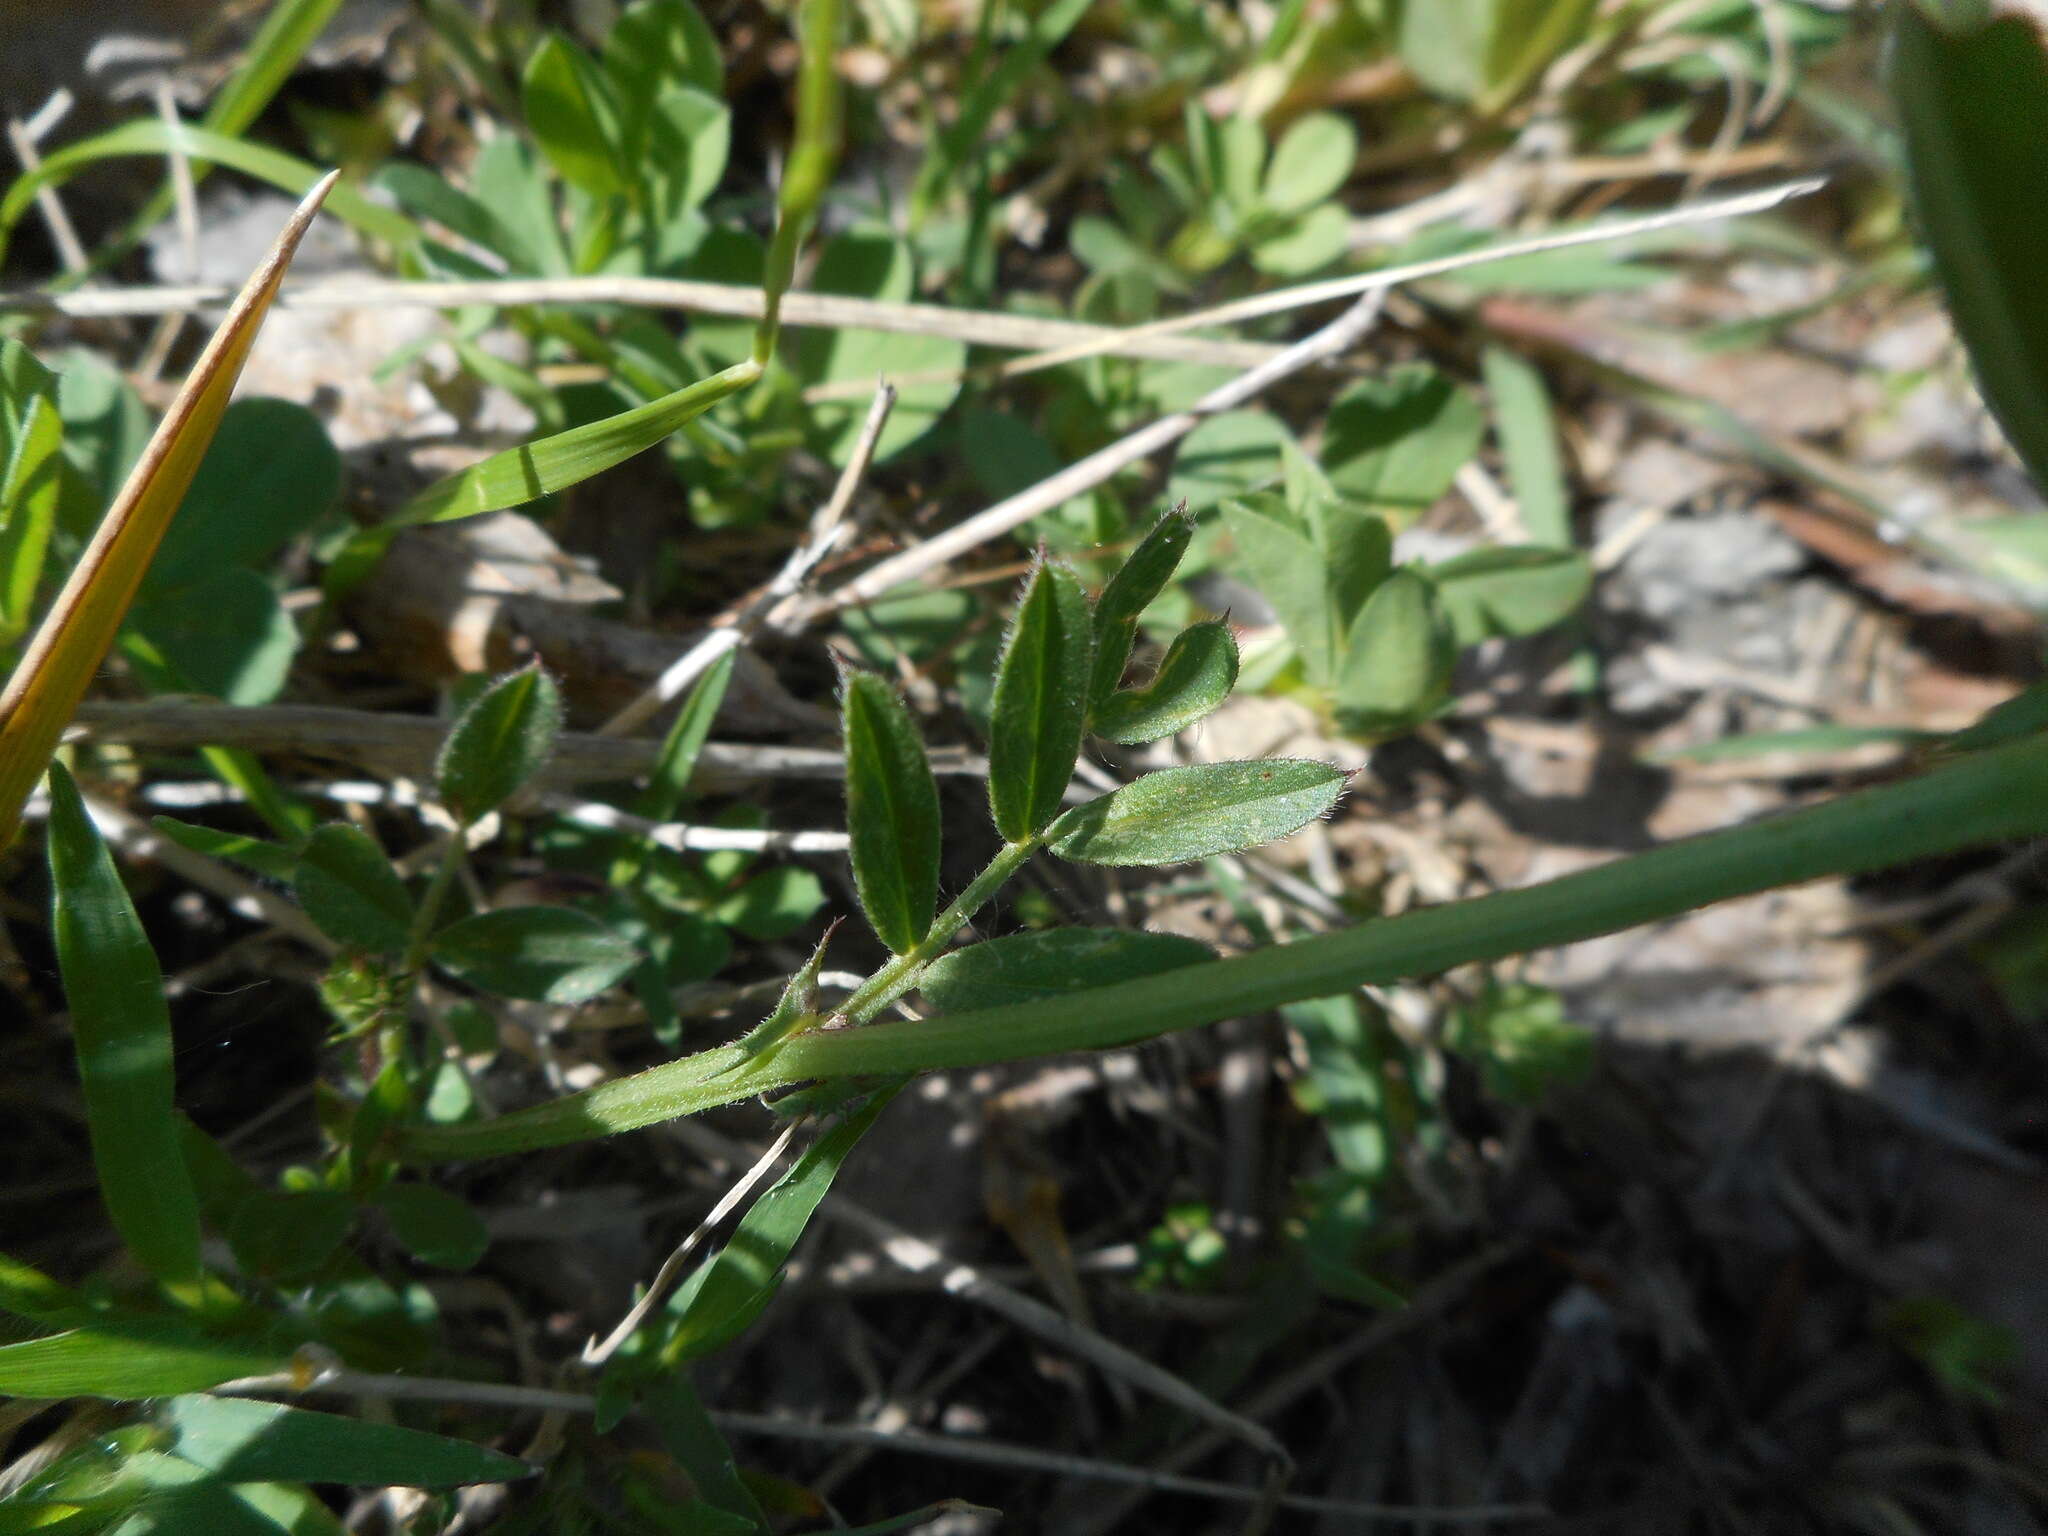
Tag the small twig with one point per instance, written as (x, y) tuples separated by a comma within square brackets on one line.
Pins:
[(63, 234), (981, 328), (683, 837), (595, 1354), (408, 744), (1014, 511), (788, 582), (987, 1452)]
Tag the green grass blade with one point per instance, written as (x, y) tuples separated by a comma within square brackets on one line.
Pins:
[(127, 1361), (153, 137), (536, 469), (123, 1029), (250, 1442)]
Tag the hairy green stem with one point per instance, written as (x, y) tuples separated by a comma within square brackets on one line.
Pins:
[(1987, 797), (903, 972)]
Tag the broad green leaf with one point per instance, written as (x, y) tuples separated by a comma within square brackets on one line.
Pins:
[(892, 813), (657, 45), (500, 742), (1292, 572), (266, 858), (349, 889), (1527, 426), (1514, 591), (127, 1361), (1179, 814), (270, 474), (546, 954), (1484, 51), (1312, 160), (242, 1441), (1358, 553), (574, 118), (1197, 674), (280, 1235), (1022, 967), (229, 636), (690, 139), (1306, 244), (549, 464), (1973, 101), (1041, 702), (728, 1290), (123, 1029), (1141, 578), (508, 180), (773, 904), (1397, 441), (53, 673), (1228, 455), (1396, 668), (433, 1225), (870, 262)]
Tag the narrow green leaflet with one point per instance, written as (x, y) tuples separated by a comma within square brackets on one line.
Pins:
[(1022, 967), (673, 769), (1041, 703), (1312, 160), (574, 116), (549, 464), (1140, 579), (1397, 664), (123, 1029), (659, 44), (892, 813), (1514, 591), (434, 1226), (349, 888), (672, 1406), (1973, 101), (266, 858), (1527, 425), (242, 1441), (545, 954), (127, 1361), (1291, 571), (1398, 441), (728, 1291), (27, 1292), (1196, 676), (1178, 814), (499, 743)]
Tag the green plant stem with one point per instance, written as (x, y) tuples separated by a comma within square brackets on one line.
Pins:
[(902, 973), (1987, 797), (812, 159), (429, 910)]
